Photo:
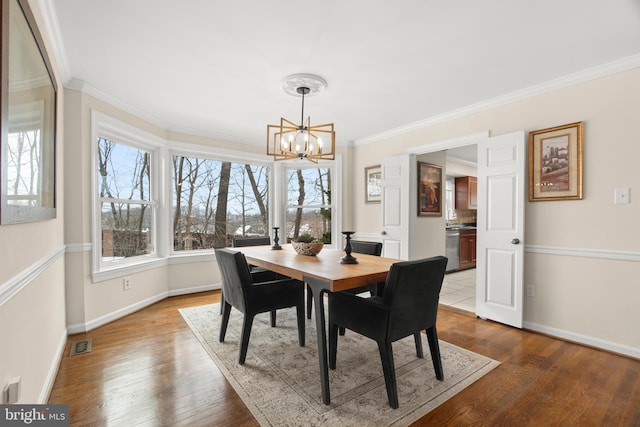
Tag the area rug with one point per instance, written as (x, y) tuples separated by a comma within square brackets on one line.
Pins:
[(280, 381)]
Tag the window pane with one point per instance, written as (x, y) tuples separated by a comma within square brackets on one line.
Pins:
[(123, 171), (309, 187), (309, 203), (24, 181), (315, 221), (214, 201), (126, 230)]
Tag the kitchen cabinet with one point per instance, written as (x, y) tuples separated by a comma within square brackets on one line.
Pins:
[(467, 192), (467, 249)]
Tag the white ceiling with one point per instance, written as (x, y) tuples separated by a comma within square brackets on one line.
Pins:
[(215, 67)]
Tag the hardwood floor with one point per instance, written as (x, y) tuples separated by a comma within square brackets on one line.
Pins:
[(149, 369)]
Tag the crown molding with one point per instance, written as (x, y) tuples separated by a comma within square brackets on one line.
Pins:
[(593, 73), (56, 45)]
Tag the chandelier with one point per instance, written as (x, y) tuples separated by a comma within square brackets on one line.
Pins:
[(289, 140)]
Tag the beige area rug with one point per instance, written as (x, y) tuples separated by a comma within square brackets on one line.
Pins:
[(280, 381)]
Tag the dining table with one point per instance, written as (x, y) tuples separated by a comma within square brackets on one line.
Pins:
[(322, 273)]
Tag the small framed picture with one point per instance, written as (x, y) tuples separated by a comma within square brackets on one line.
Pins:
[(429, 189), (555, 163), (372, 177)]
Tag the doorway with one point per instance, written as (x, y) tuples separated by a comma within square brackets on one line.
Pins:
[(459, 287), (459, 290)]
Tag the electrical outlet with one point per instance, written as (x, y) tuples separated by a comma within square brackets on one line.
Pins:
[(126, 283), (621, 196), (12, 390), (531, 291)]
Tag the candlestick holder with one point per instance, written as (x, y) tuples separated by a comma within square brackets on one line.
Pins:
[(348, 259), (276, 246)]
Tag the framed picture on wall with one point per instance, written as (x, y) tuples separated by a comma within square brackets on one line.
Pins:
[(372, 177), (555, 163), (429, 189)]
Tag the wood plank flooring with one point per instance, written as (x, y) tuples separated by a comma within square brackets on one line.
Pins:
[(149, 369)]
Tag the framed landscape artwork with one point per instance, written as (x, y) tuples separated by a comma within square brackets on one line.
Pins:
[(555, 163), (372, 177), (429, 189)]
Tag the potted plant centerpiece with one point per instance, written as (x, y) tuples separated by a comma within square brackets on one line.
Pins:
[(306, 244)]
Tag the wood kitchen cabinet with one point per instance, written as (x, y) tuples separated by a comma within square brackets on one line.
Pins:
[(467, 249), (467, 192)]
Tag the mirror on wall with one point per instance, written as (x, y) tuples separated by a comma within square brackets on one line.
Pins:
[(28, 95)]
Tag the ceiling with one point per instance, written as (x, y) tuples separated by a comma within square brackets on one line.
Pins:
[(215, 67)]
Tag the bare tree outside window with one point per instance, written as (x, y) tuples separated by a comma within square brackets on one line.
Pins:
[(214, 201), (125, 196), (309, 203)]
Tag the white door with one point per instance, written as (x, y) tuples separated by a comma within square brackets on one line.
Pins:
[(500, 257), (399, 204)]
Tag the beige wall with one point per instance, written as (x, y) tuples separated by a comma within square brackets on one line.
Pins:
[(429, 233), (576, 251), (32, 288)]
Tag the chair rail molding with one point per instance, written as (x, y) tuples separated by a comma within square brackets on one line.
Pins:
[(584, 252), (18, 282)]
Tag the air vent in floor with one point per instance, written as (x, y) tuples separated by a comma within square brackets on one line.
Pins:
[(81, 347)]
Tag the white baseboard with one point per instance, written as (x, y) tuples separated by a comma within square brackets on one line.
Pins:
[(195, 290), (53, 370), (103, 320), (584, 339)]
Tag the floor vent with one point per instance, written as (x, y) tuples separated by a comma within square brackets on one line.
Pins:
[(81, 347)]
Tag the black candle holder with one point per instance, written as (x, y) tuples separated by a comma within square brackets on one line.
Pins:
[(275, 246), (348, 259)]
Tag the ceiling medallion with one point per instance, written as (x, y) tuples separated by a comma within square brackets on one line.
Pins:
[(288, 140)]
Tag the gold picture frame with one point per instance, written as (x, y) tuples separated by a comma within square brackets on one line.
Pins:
[(555, 163), (372, 178), (429, 189)]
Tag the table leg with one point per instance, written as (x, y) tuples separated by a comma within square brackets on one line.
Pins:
[(319, 288)]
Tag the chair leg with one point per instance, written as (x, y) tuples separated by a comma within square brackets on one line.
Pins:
[(221, 301), (246, 333), (309, 301), (432, 337), (301, 330), (418, 340), (388, 368), (226, 311), (333, 344), (341, 330), (273, 318)]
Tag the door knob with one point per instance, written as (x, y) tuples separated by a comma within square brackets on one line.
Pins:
[(515, 241), (384, 233)]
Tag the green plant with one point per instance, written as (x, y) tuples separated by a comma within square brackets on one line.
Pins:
[(306, 238)]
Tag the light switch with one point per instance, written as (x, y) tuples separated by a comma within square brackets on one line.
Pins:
[(622, 196)]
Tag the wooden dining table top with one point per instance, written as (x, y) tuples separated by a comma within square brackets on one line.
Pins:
[(325, 266)]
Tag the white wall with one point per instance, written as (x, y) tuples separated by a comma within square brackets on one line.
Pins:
[(582, 256)]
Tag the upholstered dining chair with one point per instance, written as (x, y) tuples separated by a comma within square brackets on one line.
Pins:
[(249, 297), (408, 305), (361, 247), (259, 274)]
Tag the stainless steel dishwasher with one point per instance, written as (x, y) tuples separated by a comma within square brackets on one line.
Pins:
[(452, 249)]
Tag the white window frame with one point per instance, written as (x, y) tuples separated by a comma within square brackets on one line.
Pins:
[(103, 126), (162, 152), (191, 150), (336, 194)]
